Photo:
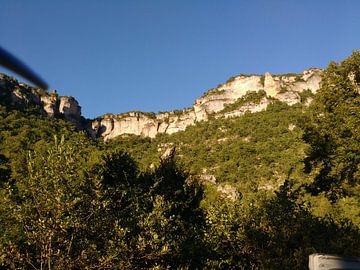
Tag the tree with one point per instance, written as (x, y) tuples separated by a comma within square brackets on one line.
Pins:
[(4, 170), (333, 130), (44, 213), (273, 233), (153, 219)]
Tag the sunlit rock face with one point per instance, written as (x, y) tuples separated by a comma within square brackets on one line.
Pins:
[(216, 99), (131, 123), (62, 107), (69, 108), (285, 88), (250, 107), (271, 86), (142, 124), (50, 104), (281, 87), (175, 122), (55, 105), (275, 86)]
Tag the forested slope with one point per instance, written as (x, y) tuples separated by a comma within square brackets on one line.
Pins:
[(68, 201)]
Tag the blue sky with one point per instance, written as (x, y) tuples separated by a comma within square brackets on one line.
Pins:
[(116, 56)]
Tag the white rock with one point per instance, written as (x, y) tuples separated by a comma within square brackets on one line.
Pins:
[(282, 87)]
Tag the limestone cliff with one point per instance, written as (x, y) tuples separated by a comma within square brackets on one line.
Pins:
[(15, 94), (285, 88), (215, 103), (143, 124)]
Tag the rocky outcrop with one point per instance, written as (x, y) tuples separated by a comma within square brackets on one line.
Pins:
[(249, 107), (229, 192), (20, 95), (62, 107), (142, 124), (50, 104), (285, 88), (282, 87)]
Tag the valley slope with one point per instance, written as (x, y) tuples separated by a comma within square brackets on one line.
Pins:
[(285, 88)]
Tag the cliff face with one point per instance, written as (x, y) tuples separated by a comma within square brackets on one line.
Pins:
[(143, 124), (285, 88), (51, 104), (282, 87)]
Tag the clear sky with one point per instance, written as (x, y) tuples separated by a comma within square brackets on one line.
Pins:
[(121, 55)]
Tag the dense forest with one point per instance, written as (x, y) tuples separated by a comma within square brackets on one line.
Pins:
[(69, 201)]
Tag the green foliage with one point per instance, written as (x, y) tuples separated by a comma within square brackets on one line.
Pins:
[(251, 97), (231, 79), (10, 88), (76, 203), (333, 130), (305, 95), (251, 151), (43, 214), (72, 211), (143, 150), (151, 115), (4, 170), (175, 221), (21, 131), (275, 233), (212, 91)]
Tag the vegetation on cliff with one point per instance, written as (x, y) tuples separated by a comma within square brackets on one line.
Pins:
[(70, 202)]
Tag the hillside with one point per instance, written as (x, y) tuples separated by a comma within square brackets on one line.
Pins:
[(260, 168), (226, 100), (285, 88), (244, 134)]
